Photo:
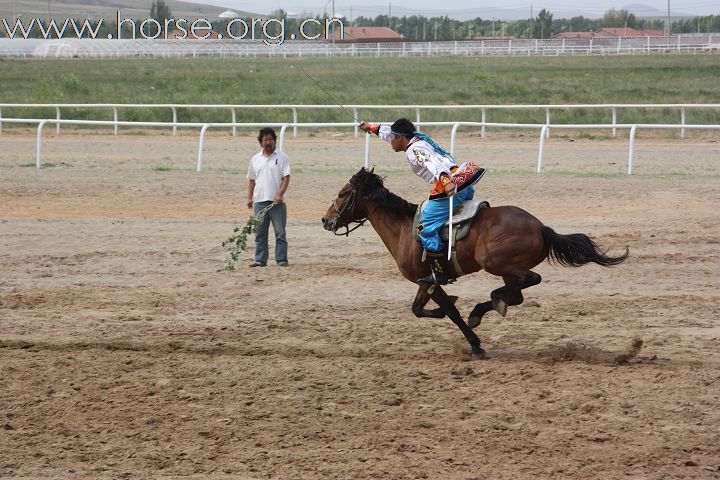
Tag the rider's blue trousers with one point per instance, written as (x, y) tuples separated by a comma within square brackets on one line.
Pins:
[(434, 216)]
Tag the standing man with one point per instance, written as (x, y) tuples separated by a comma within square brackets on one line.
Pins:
[(268, 179)]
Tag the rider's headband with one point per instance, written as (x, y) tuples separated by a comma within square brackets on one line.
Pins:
[(403, 134)]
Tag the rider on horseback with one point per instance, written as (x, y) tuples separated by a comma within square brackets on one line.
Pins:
[(431, 162)]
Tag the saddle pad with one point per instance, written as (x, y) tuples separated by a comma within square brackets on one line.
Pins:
[(461, 219)]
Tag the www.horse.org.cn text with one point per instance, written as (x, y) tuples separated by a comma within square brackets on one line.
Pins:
[(272, 31)]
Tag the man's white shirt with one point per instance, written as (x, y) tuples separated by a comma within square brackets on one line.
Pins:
[(268, 173)]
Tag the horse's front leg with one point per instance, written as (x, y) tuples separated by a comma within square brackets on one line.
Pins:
[(422, 298), (445, 302)]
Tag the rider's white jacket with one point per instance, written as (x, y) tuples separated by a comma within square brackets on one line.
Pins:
[(424, 161)]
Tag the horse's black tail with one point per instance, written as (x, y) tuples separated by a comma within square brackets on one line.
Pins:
[(576, 249)]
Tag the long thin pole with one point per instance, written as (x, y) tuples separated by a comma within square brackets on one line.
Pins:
[(450, 220), (328, 94)]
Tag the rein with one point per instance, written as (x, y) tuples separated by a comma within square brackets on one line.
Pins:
[(351, 205)]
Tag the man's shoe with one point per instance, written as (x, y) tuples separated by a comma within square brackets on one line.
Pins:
[(283, 264), (256, 264), (438, 270)]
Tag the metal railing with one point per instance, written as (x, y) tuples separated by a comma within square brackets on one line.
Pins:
[(356, 109), (104, 48), (455, 126)]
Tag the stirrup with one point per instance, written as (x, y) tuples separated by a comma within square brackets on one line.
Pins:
[(433, 279)]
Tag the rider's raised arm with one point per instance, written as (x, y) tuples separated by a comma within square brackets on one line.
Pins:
[(382, 131)]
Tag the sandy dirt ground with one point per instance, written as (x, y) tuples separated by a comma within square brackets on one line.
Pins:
[(124, 353)]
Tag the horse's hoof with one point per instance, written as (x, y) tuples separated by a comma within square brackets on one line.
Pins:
[(478, 354), (474, 321), (500, 307)]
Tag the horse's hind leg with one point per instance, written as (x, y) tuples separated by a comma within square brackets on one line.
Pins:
[(511, 293), (422, 298), (503, 297)]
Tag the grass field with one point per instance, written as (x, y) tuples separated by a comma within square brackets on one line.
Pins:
[(498, 80)]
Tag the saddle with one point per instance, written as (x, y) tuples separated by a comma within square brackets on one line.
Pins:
[(462, 217)]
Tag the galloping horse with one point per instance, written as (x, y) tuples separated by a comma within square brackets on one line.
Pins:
[(504, 241)]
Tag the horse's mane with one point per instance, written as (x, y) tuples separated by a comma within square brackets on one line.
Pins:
[(371, 185)]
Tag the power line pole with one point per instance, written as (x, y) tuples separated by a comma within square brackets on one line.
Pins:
[(668, 21), (532, 23)]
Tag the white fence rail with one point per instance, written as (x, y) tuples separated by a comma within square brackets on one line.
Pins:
[(104, 48), (294, 110), (544, 130)]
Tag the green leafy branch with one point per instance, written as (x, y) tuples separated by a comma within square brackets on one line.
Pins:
[(237, 242)]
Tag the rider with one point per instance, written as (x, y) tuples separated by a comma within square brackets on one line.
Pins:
[(432, 163)]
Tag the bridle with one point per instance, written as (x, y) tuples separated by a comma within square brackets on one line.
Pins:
[(349, 204)]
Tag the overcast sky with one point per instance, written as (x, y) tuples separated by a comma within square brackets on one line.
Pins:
[(464, 9)]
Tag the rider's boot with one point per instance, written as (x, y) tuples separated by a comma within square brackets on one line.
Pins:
[(439, 270)]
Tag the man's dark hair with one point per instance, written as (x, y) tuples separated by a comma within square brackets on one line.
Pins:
[(266, 131), (403, 127)]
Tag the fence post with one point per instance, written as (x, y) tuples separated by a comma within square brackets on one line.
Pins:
[(116, 127), (175, 122), (281, 143), (201, 146), (484, 117), (543, 132), (294, 111), (38, 144), (355, 114), (57, 125), (547, 122), (682, 122), (367, 150), (234, 121), (453, 135), (417, 118), (632, 147), (614, 121)]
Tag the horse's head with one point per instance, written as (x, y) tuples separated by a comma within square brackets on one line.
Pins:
[(350, 205)]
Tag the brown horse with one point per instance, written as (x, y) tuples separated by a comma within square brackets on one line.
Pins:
[(504, 241)]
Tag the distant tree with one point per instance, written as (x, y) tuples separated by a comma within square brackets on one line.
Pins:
[(654, 24), (618, 19), (582, 24), (542, 26), (160, 11)]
